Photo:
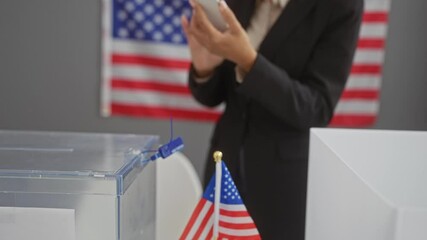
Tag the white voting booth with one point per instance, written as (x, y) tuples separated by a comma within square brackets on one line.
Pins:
[(76, 186), (367, 184)]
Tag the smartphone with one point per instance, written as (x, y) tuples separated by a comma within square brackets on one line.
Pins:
[(211, 8)]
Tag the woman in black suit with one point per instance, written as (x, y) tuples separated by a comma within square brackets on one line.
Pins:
[(274, 92)]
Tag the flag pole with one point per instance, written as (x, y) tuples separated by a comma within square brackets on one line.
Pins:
[(218, 174)]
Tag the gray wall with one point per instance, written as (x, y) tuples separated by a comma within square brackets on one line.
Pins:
[(50, 73), (403, 93)]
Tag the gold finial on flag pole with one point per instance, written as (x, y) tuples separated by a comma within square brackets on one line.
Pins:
[(217, 156)]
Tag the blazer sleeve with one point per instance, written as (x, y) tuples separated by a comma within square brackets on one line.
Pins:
[(212, 92), (310, 100)]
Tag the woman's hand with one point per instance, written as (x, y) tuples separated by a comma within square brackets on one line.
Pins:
[(232, 44), (204, 62)]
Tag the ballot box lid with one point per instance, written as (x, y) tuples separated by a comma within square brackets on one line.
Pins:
[(39, 159)]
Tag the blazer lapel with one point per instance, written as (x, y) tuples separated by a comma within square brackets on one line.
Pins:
[(293, 13)]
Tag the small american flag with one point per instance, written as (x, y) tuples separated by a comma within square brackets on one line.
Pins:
[(359, 104), (146, 61), (234, 220)]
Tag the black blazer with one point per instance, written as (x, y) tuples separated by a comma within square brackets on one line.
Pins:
[(295, 83)]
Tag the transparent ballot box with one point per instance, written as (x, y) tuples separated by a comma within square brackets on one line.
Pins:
[(84, 186), (367, 184)]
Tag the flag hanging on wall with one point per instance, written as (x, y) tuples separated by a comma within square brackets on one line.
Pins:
[(359, 104), (234, 220), (146, 60), (145, 63)]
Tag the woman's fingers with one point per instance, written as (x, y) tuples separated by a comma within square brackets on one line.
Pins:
[(184, 24), (229, 16), (202, 29), (201, 20)]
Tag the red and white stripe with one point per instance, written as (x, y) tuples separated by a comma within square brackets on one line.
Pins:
[(234, 223), (359, 103)]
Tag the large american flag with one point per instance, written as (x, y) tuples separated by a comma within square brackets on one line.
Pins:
[(145, 64), (234, 220), (146, 60)]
